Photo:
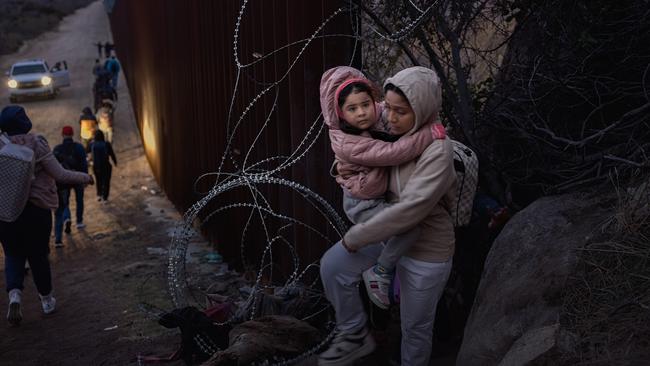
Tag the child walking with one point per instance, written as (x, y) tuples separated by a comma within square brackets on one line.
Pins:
[(363, 152), (101, 152)]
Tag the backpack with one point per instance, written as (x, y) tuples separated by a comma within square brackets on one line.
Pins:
[(88, 128), (115, 67), (17, 162), (105, 117), (466, 167)]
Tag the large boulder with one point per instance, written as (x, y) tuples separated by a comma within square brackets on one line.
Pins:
[(265, 338), (515, 315)]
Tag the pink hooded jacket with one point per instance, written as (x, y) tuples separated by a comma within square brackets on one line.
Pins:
[(361, 160)]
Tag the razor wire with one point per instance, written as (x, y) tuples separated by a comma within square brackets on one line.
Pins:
[(251, 175)]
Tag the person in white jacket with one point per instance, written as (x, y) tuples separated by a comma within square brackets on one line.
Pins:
[(421, 192)]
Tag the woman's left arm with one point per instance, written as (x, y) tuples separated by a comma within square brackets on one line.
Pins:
[(433, 176)]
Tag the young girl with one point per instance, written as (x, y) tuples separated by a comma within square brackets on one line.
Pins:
[(362, 154)]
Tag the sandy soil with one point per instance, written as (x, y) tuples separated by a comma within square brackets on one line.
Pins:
[(104, 271)]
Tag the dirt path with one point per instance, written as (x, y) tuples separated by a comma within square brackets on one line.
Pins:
[(104, 271)]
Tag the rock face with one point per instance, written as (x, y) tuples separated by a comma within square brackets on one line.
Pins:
[(515, 316), (264, 338)]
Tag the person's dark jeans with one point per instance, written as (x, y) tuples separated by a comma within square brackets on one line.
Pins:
[(39, 265), (62, 213), (28, 238), (79, 200), (103, 176)]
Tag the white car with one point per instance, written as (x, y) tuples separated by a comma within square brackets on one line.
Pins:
[(35, 78)]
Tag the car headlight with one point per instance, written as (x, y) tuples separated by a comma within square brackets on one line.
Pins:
[(46, 80), (13, 84)]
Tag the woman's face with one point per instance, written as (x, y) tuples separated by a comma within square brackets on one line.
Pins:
[(359, 110), (399, 113)]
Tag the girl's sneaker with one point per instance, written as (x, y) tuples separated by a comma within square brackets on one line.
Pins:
[(49, 303), (14, 315), (377, 284)]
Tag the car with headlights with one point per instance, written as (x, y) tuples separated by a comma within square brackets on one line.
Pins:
[(33, 78)]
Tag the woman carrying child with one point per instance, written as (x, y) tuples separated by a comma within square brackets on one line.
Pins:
[(416, 224), (27, 239)]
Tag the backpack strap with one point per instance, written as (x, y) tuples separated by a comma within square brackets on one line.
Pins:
[(5, 139)]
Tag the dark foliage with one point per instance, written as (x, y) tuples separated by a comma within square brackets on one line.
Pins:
[(571, 103)]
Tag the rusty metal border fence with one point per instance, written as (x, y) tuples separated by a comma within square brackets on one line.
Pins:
[(177, 57)]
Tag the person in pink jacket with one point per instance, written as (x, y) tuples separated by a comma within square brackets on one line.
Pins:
[(28, 237), (363, 152), (420, 192)]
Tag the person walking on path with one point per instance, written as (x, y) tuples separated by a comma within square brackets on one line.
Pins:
[(87, 127), (113, 66), (72, 156), (97, 68), (27, 238), (421, 191), (101, 151)]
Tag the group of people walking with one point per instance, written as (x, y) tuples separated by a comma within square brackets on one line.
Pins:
[(58, 173), (106, 76), (27, 238), (74, 156)]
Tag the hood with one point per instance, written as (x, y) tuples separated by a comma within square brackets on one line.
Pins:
[(422, 89), (14, 120), (329, 83)]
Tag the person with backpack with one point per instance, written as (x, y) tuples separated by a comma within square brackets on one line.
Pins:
[(87, 127), (102, 89), (363, 150), (101, 151), (26, 238), (113, 66), (97, 68), (72, 156), (105, 119), (422, 192)]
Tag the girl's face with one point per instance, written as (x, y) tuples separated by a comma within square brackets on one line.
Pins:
[(359, 110), (399, 113)]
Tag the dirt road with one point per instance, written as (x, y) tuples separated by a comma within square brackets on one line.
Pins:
[(105, 270)]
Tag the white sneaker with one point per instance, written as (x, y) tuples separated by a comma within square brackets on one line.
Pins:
[(49, 303), (14, 315), (347, 348), (81, 225), (377, 286)]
